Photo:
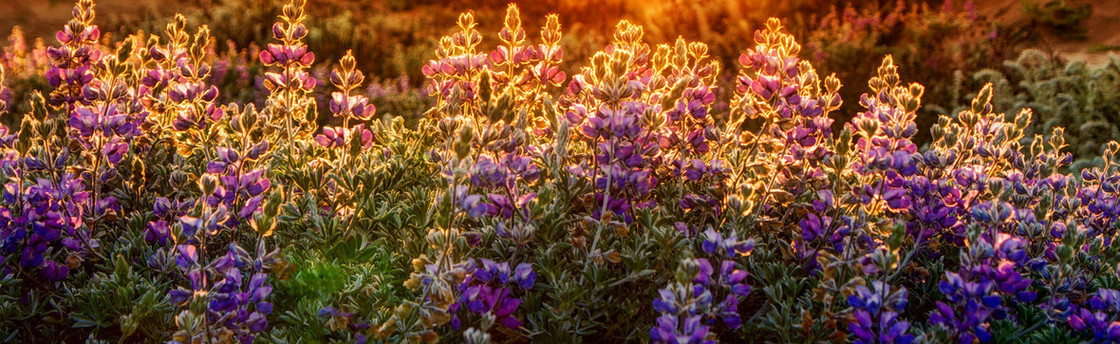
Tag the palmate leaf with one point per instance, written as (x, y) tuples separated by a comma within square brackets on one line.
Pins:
[(120, 300), (1029, 320), (1055, 334)]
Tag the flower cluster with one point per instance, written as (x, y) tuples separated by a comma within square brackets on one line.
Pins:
[(501, 179), (487, 161), (991, 270), (614, 107), (232, 308), (1099, 316), (794, 146), (534, 206), (49, 207), (166, 212), (774, 84), (289, 108), (240, 188), (690, 307), (98, 93), (678, 322), (1098, 195), (689, 138), (105, 125), (527, 71), (527, 67), (291, 55), (73, 63), (973, 304), (175, 86), (885, 130), (624, 158), (876, 313), (454, 72), (43, 217), (5, 93), (348, 107), (817, 229), (487, 292)]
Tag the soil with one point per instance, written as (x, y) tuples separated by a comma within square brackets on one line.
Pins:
[(1103, 28), (40, 18)]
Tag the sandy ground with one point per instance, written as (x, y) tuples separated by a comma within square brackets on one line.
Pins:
[(1103, 27), (42, 17)]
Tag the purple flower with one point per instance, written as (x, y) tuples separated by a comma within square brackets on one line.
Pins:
[(876, 312), (486, 292), (357, 107), (525, 276), (187, 257), (730, 246), (115, 150), (286, 55), (1097, 316), (680, 320), (670, 329), (71, 61), (157, 232), (42, 220), (55, 272)]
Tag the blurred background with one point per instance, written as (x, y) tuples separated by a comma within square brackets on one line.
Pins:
[(946, 45)]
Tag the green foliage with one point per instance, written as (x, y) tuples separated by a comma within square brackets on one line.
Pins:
[(507, 202), (1060, 17), (1074, 95), (120, 303)]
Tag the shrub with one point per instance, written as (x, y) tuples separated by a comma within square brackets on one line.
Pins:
[(620, 203), (1074, 95), (1065, 19)]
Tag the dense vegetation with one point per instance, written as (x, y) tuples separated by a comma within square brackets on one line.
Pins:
[(634, 195)]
